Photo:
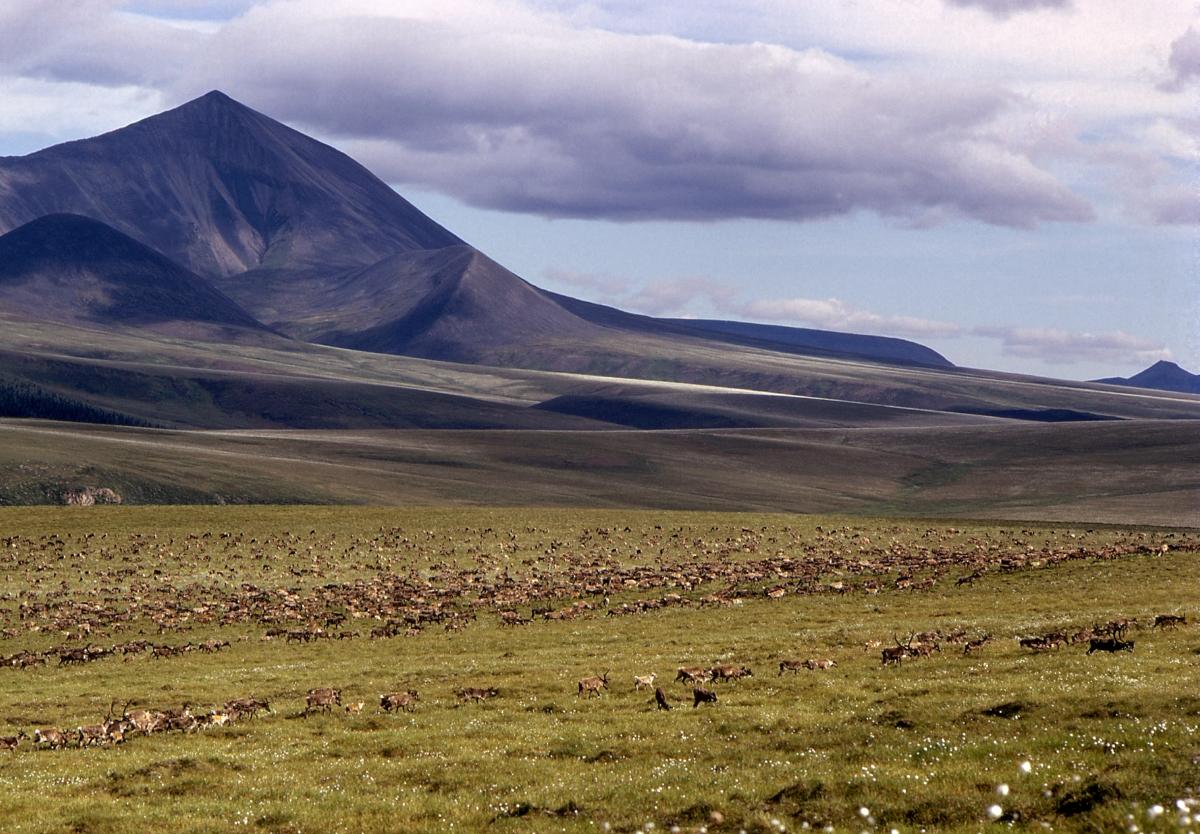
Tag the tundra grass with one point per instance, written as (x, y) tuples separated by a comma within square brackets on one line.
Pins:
[(1001, 740)]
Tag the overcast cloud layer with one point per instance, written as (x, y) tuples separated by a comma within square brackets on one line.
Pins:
[(1024, 114), (511, 106)]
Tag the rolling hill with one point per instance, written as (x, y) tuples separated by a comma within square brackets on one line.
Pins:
[(261, 318), (1161, 376)]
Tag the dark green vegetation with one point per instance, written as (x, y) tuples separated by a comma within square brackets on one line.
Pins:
[(922, 746)]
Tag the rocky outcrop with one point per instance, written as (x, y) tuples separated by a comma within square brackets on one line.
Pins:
[(89, 496)]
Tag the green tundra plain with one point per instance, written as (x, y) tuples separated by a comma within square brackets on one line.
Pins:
[(1004, 738)]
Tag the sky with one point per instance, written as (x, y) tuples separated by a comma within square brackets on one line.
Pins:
[(1014, 183)]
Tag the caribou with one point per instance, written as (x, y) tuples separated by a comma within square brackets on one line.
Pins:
[(692, 674), (323, 698), (49, 737), (392, 701), (729, 672), (1109, 644), (592, 685), (476, 693), (1168, 621)]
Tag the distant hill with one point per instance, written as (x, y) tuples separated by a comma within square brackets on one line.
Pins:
[(1163, 376), (67, 268), (798, 340)]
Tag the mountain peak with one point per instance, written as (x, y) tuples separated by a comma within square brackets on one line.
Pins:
[(1162, 375), (213, 104), (222, 189), (218, 96)]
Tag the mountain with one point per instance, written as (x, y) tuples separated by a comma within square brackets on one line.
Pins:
[(221, 189), (73, 269), (453, 303), (312, 244), (1163, 376)]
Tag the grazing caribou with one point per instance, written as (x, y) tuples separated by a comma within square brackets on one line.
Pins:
[(592, 685), (247, 707), (1168, 621), (977, 644), (729, 672), (820, 663), (660, 698), (12, 742), (1109, 644), (144, 721), (324, 698), (692, 674), (392, 701), (476, 693), (50, 737), (644, 681), (702, 696)]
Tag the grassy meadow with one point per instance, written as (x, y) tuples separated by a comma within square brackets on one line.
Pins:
[(1002, 739)]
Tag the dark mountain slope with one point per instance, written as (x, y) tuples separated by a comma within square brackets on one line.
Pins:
[(453, 303), (796, 340), (1162, 376), (67, 268), (221, 189)]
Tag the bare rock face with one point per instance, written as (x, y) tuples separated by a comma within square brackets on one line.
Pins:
[(90, 497)]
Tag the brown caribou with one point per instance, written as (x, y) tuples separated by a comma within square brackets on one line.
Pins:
[(324, 698), (392, 701), (592, 685)]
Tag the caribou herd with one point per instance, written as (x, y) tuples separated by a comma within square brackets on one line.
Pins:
[(315, 587), (117, 728)]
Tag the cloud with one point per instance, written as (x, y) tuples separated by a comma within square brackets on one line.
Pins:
[(92, 42), (1063, 347), (700, 297), (835, 314), (563, 122), (1184, 63), (507, 107), (1175, 207), (1007, 8), (606, 289), (572, 108), (685, 298)]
